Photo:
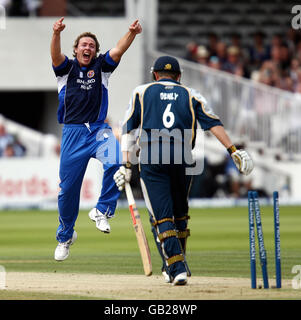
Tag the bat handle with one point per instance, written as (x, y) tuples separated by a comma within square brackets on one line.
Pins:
[(129, 194)]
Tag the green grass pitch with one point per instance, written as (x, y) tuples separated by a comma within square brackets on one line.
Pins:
[(218, 245)]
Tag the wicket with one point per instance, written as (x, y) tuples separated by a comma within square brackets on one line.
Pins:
[(277, 239), (254, 214)]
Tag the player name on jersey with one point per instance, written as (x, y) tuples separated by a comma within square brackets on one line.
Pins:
[(168, 96)]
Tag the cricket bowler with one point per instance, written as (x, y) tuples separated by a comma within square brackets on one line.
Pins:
[(83, 105)]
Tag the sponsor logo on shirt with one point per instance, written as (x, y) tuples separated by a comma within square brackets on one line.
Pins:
[(85, 84)]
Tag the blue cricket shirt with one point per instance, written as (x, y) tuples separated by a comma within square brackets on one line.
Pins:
[(83, 92)]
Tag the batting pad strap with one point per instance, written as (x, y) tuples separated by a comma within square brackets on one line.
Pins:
[(167, 234), (161, 221), (183, 218), (174, 259), (184, 234)]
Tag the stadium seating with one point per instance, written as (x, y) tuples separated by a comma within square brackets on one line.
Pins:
[(198, 18), (184, 21), (99, 8)]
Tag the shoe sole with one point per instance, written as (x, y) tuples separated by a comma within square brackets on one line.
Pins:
[(180, 279), (180, 283), (61, 260)]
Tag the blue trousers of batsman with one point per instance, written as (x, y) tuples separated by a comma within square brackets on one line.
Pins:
[(165, 189)]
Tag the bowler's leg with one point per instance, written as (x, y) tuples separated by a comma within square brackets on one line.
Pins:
[(73, 164), (68, 198), (106, 149), (109, 154)]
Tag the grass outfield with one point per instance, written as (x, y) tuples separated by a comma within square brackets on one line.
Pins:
[(218, 245)]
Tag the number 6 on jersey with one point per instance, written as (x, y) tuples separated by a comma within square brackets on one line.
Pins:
[(168, 117)]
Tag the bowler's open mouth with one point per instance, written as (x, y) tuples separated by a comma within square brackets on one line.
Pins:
[(86, 56)]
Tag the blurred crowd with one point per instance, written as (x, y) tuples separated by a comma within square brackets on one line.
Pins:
[(218, 179), (273, 61), (10, 145)]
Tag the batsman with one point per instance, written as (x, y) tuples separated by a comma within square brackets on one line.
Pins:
[(158, 118)]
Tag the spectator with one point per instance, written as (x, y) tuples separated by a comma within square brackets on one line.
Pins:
[(285, 57), (212, 44), (276, 71), (221, 52), (276, 55), (202, 55), (276, 40), (5, 139), (214, 63), (293, 73), (298, 51), (269, 74), (19, 148), (236, 42), (287, 83), (271, 71), (9, 151), (258, 52), (234, 64), (191, 51), (298, 84), (292, 38), (9, 145)]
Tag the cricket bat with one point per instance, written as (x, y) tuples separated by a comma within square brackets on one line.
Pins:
[(140, 234)]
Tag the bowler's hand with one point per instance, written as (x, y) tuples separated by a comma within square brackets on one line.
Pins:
[(58, 26), (122, 175), (135, 27), (243, 161)]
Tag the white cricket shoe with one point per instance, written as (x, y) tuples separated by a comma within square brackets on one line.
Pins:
[(62, 250), (180, 279), (101, 220)]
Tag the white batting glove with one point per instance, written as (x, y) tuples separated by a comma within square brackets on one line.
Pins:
[(242, 160), (123, 175)]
